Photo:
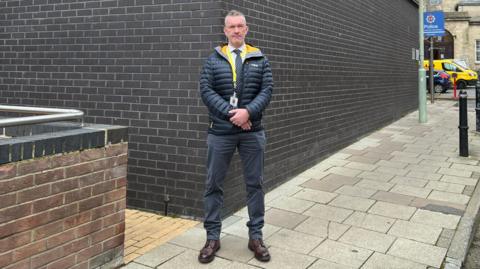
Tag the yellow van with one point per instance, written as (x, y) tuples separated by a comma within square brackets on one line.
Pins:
[(465, 76)]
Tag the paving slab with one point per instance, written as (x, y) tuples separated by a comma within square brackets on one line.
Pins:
[(466, 167), (344, 171), (356, 191), (314, 173), (409, 181), (394, 198), (284, 259), (455, 172), (282, 218), (227, 222), (316, 196), (159, 255), (382, 261), (374, 185), (328, 212), (392, 163), (281, 191), (240, 229), (469, 190), (294, 241), (376, 176), (405, 160), (439, 158), (415, 231), (446, 187), (333, 162), (234, 248), (367, 239), (341, 155), (341, 253), (193, 239), (391, 171), (322, 228), (189, 259), (436, 219), (411, 191), (439, 206), (361, 166), (370, 221), (392, 210), (417, 150), (238, 265), (380, 155), (351, 202), (353, 152), (134, 265), (330, 183), (418, 252), (405, 154), (424, 175), (449, 197), (459, 180), (363, 159), (323, 264), (424, 168), (291, 204), (444, 164), (463, 160)]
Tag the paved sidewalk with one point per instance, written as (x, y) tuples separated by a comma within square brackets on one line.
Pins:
[(394, 199)]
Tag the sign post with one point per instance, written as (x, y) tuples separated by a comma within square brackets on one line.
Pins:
[(422, 95), (433, 25)]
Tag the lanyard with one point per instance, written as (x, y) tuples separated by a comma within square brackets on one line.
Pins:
[(232, 64)]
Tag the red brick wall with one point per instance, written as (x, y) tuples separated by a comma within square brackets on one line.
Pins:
[(65, 210)]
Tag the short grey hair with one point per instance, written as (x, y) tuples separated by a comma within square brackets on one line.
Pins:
[(234, 13)]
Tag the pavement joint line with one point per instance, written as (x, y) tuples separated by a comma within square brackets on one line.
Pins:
[(458, 249)]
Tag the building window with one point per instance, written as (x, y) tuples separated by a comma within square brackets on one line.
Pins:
[(477, 50)]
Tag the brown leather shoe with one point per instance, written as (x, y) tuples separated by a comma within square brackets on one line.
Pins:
[(260, 250), (207, 254)]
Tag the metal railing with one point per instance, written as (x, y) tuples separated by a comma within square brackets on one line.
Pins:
[(46, 115)]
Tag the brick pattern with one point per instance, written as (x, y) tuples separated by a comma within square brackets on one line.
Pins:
[(341, 70), (145, 231), (64, 210)]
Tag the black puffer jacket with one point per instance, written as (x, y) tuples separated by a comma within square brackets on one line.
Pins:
[(216, 88)]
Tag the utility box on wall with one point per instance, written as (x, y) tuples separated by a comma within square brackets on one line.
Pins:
[(341, 69)]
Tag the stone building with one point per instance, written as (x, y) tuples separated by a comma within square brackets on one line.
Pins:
[(462, 38), (341, 68)]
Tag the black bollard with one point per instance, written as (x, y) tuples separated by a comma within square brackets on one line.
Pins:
[(463, 127), (477, 104)]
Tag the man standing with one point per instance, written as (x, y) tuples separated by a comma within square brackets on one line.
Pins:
[(236, 86)]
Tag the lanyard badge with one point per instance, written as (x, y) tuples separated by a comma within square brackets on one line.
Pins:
[(234, 100), (234, 97)]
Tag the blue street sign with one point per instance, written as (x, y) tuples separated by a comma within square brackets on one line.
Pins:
[(433, 23)]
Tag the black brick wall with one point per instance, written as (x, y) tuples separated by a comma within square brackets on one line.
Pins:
[(341, 70)]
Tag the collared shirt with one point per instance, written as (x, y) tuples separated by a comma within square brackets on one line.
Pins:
[(234, 55)]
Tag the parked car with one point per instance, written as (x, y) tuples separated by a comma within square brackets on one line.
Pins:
[(465, 76), (441, 81)]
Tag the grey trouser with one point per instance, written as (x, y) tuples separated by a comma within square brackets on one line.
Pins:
[(251, 147)]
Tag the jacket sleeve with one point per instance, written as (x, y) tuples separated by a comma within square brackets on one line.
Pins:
[(214, 102), (261, 101)]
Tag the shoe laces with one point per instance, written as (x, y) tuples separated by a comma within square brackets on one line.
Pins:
[(210, 244)]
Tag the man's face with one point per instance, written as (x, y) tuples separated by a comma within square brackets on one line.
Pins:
[(235, 29)]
